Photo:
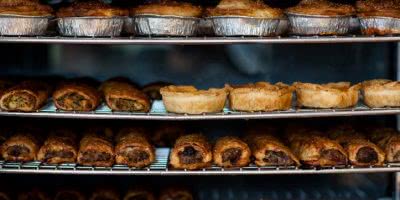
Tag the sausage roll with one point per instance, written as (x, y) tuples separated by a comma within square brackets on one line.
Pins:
[(175, 193), (21, 147), (314, 150), (105, 194), (166, 134), (133, 149), (26, 97), (139, 194), (124, 96), (96, 151), (388, 140), (191, 152), (69, 194), (33, 194), (76, 96), (361, 152), (231, 152), (153, 89), (268, 150), (60, 147)]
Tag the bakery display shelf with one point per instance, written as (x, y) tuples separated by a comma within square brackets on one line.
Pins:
[(160, 167), (197, 40), (158, 112)]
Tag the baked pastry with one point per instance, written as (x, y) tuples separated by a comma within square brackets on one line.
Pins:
[(96, 150), (380, 93), (22, 147), (191, 152), (361, 152), (322, 7), (231, 152), (388, 140), (124, 96), (139, 193), (187, 99), (330, 95), (60, 147), (91, 9), (378, 8), (69, 194), (268, 150), (33, 194), (25, 8), (169, 8), (105, 193), (133, 148), (153, 89), (177, 193), (166, 134), (76, 96), (245, 8), (27, 96), (261, 96)]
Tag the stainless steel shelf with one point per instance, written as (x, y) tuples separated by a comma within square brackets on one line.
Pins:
[(198, 40), (160, 167), (158, 112)]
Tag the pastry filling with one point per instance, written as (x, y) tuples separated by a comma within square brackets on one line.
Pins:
[(138, 197), (58, 154), (231, 155), (189, 155), (66, 196), (367, 155), (334, 156), (18, 151), (126, 104), (95, 156), (21, 100), (396, 157), (277, 158), (74, 101), (135, 155)]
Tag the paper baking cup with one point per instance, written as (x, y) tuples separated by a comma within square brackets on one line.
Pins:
[(15, 25), (166, 25), (129, 26), (90, 26), (380, 25), (244, 26), (283, 27), (318, 25)]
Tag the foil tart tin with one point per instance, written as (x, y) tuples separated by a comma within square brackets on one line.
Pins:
[(244, 26), (18, 25), (283, 27), (129, 26), (159, 25), (90, 26), (380, 25), (301, 24)]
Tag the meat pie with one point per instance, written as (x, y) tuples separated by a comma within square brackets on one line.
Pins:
[(231, 152)]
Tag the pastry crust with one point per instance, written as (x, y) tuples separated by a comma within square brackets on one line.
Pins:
[(268, 150), (75, 96), (261, 96), (21, 147), (231, 151), (330, 95), (191, 152), (378, 8), (91, 9), (380, 93), (166, 134), (168, 8), (65, 194), (105, 193), (133, 148), (96, 150), (187, 99), (60, 147), (27, 96), (176, 193), (139, 193), (361, 152), (153, 89), (124, 96), (245, 8), (24, 7), (388, 140), (322, 7)]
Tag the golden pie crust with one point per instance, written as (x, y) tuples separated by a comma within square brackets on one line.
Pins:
[(378, 8), (168, 8), (261, 96), (322, 7), (91, 9), (188, 99), (330, 95), (25, 8), (245, 8), (380, 93)]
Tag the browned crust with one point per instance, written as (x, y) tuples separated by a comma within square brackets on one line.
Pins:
[(133, 139), (94, 143), (378, 8), (226, 143), (244, 8), (174, 192), (352, 145), (153, 89), (105, 193), (199, 143), (76, 193), (261, 96), (170, 8), (37, 90), (91, 8), (381, 93), (27, 10), (322, 7), (25, 140), (114, 89), (139, 192), (90, 97), (166, 134), (65, 142)]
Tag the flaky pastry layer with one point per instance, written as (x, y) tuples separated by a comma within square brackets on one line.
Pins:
[(92, 9), (168, 8), (245, 8), (380, 93), (322, 7)]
